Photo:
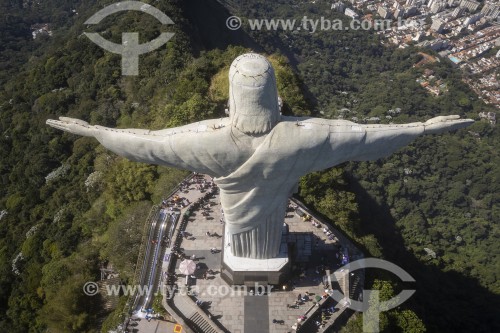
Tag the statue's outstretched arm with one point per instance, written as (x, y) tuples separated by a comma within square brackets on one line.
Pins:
[(139, 145), (442, 124), (383, 140)]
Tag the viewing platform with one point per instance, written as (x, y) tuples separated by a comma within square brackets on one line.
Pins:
[(205, 302)]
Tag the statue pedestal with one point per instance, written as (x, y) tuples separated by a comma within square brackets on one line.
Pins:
[(247, 271)]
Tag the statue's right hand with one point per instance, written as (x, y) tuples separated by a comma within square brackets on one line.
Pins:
[(445, 123), (72, 125)]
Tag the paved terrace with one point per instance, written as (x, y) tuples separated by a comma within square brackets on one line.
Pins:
[(229, 309)]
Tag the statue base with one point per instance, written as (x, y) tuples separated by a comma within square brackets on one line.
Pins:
[(251, 272)]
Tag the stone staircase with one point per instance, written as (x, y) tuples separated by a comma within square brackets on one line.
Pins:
[(110, 302), (343, 281), (355, 284), (199, 325)]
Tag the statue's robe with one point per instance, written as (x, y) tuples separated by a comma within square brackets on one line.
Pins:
[(256, 181)]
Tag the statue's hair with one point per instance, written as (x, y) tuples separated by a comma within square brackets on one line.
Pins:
[(253, 95)]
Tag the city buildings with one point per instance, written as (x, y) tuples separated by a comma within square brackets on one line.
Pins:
[(437, 25), (491, 9), (471, 5), (464, 32)]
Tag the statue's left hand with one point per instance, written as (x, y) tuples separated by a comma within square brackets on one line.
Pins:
[(445, 123), (72, 125)]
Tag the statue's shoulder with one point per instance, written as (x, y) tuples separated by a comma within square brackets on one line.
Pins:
[(211, 125), (200, 127), (315, 123)]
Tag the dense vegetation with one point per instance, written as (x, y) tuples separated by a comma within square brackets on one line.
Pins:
[(72, 207)]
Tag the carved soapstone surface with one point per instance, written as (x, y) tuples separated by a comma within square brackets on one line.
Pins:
[(256, 156)]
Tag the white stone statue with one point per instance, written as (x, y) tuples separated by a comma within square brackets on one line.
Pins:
[(256, 155)]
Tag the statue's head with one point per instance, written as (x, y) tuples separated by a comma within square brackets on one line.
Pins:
[(253, 95)]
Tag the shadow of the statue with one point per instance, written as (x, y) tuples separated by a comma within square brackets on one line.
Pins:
[(310, 272), (445, 301)]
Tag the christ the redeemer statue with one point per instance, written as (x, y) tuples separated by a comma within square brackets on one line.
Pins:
[(257, 156)]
